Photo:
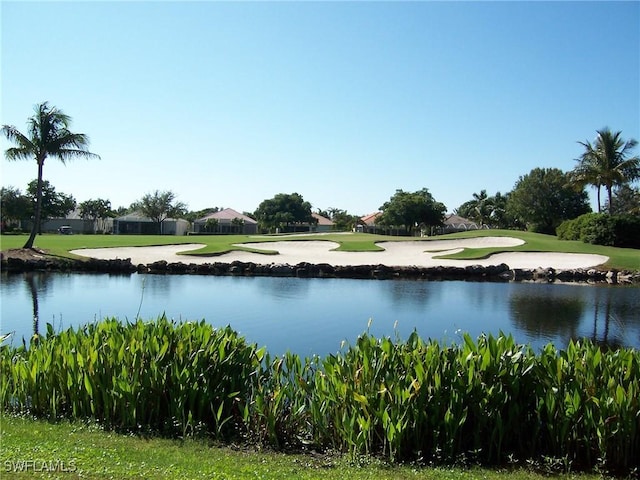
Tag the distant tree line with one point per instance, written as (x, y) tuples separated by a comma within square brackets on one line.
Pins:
[(540, 201)]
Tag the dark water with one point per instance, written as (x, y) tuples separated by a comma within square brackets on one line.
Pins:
[(313, 316)]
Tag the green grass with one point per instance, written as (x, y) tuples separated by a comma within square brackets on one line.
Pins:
[(60, 245), (98, 454)]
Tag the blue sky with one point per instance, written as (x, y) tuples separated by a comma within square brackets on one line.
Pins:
[(229, 103)]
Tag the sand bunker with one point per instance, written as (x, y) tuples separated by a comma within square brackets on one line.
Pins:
[(395, 254)]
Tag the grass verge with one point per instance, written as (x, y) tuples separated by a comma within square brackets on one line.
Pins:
[(93, 453)]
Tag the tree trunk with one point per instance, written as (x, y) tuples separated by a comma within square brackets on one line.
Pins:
[(36, 217)]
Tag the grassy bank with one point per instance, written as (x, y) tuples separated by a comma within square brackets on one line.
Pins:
[(60, 245), (486, 402), (93, 453)]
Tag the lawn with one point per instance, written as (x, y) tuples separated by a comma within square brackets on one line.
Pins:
[(87, 451), (619, 258)]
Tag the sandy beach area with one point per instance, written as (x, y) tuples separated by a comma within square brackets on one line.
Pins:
[(395, 254)]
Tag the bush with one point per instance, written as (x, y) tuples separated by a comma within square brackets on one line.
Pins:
[(602, 229), (627, 231)]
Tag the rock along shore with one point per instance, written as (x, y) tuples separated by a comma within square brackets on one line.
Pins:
[(501, 272)]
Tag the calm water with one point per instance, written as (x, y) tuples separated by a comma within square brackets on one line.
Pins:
[(313, 316)]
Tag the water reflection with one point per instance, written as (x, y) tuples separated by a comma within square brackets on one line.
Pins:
[(547, 316), (607, 315), (284, 288), (31, 280), (312, 316), (403, 293)]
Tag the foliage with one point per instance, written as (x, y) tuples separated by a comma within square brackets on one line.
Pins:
[(485, 210), (158, 206), (342, 220), (606, 163), (543, 199), (488, 401), (52, 203), (97, 210), (195, 215), (412, 210), (48, 135), (14, 206), (602, 229), (162, 376), (626, 201), (282, 211)]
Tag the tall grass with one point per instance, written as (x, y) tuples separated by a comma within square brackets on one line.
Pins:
[(487, 401), (160, 376)]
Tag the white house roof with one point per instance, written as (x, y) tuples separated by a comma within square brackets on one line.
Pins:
[(459, 222), (227, 215)]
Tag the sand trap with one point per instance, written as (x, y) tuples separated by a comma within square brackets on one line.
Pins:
[(409, 253)]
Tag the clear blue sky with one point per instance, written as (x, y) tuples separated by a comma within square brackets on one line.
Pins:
[(229, 103)]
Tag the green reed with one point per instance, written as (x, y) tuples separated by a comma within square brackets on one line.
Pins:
[(489, 400), (162, 376)]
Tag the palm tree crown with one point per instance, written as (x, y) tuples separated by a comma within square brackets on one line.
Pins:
[(48, 135), (606, 163)]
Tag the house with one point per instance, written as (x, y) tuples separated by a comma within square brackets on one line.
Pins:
[(367, 224), (455, 223), (137, 224), (321, 225), (227, 221), (77, 224)]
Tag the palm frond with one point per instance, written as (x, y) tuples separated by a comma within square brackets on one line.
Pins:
[(65, 154), (25, 148)]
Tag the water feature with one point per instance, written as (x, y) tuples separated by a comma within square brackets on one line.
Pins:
[(313, 316)]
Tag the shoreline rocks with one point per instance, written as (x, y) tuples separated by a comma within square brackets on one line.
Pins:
[(499, 273)]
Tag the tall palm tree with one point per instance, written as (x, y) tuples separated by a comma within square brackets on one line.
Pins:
[(606, 163), (48, 135)]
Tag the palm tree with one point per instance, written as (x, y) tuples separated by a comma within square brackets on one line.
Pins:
[(48, 135), (483, 207), (606, 163)]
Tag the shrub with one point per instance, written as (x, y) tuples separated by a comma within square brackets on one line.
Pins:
[(602, 229)]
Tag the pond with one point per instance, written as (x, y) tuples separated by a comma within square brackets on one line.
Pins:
[(313, 316)]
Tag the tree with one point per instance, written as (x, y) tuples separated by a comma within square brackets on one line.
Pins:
[(52, 203), (626, 201), (158, 206), (192, 216), (342, 220), (48, 136), (237, 224), (211, 225), (14, 206), (412, 210), (606, 163), (282, 211), (544, 198), (486, 210), (480, 209), (97, 210), (500, 217)]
